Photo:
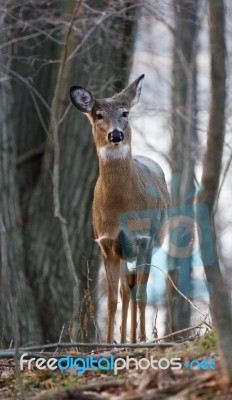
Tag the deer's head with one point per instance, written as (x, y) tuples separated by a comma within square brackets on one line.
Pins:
[(109, 118)]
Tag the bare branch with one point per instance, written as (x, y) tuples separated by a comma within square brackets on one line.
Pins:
[(222, 183), (35, 152), (27, 84), (176, 288)]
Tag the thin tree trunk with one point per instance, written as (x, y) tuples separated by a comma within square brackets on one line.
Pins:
[(183, 150), (219, 300)]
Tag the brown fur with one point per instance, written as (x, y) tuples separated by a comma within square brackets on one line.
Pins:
[(123, 186)]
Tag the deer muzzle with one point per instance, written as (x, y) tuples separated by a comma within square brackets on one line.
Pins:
[(115, 136)]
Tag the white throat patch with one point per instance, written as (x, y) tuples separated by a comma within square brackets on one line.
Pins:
[(113, 153)]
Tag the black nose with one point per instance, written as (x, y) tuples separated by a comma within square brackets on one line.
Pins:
[(116, 136)]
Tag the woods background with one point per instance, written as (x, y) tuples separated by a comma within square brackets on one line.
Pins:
[(48, 164)]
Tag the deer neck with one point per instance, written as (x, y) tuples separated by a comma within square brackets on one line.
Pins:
[(116, 172)]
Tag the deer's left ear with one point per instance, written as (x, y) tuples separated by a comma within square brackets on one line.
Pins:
[(82, 99), (133, 91)]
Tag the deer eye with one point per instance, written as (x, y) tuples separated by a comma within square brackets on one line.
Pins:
[(125, 114), (99, 116)]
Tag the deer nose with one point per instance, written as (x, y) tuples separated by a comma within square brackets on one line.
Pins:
[(116, 136)]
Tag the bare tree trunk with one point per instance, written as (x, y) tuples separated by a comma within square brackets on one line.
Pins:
[(18, 312), (219, 301), (183, 150)]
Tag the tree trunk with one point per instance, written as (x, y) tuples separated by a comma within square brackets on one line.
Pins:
[(18, 312), (219, 300), (183, 152)]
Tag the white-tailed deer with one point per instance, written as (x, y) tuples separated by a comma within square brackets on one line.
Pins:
[(127, 216)]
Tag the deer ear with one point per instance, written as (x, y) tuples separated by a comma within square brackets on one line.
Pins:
[(137, 87), (82, 99), (133, 91)]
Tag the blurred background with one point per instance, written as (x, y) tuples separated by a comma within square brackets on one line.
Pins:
[(52, 280)]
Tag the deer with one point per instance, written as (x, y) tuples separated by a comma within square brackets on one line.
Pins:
[(127, 216)]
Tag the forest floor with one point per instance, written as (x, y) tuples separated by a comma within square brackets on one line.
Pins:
[(203, 379)]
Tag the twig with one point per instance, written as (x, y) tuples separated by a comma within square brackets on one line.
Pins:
[(181, 331), (11, 354), (86, 392), (30, 154), (68, 108), (28, 85), (176, 288), (98, 387), (38, 112), (97, 356), (222, 183), (152, 147), (102, 19), (19, 39), (60, 338), (96, 345)]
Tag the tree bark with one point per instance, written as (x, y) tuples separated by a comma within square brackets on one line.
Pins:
[(18, 311), (183, 150), (219, 300)]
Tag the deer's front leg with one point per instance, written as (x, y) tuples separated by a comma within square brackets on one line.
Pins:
[(143, 270), (125, 296), (112, 267)]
